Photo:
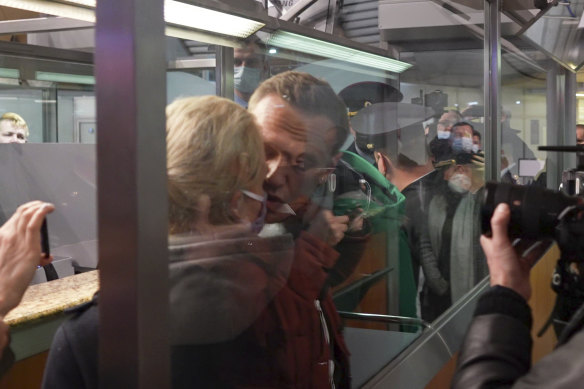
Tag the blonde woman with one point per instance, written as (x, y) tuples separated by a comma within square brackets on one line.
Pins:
[(222, 275)]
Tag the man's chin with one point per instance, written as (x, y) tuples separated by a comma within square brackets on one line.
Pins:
[(276, 217)]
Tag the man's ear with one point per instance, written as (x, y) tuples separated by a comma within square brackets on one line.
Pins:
[(383, 163)]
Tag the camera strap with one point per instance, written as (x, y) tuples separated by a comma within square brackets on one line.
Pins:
[(569, 287)]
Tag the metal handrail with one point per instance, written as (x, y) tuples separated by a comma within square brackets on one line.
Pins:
[(385, 318)]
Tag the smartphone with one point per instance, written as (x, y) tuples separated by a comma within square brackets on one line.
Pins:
[(45, 249)]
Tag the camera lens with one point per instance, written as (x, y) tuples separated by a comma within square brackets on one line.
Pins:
[(534, 210)]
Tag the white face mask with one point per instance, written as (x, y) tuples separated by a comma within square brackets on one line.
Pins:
[(460, 183), (246, 79), (475, 148), (443, 134)]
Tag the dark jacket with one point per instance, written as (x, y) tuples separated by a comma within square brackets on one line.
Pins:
[(244, 313), (496, 352)]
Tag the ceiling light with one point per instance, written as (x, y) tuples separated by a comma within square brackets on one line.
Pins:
[(183, 14), (64, 77), (9, 73), (321, 48), (175, 13), (52, 8), (579, 94)]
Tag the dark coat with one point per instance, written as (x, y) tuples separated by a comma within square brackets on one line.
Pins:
[(497, 349), (253, 313)]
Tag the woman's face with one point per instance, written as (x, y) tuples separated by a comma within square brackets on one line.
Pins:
[(251, 208)]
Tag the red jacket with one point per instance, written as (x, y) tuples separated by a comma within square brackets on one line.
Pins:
[(287, 346)]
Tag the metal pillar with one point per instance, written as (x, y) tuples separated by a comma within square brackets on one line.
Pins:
[(554, 124), (224, 72), (570, 88), (132, 200), (492, 89)]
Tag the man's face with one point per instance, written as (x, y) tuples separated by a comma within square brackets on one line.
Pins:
[(580, 135), (476, 141), (462, 132), (298, 152), (248, 57), (9, 133)]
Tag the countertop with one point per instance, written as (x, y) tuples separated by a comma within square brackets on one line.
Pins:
[(48, 298)]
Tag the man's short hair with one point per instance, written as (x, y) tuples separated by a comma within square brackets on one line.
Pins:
[(476, 133), (580, 126), (16, 120), (308, 94), (463, 124)]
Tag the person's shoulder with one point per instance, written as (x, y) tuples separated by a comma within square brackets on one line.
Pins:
[(82, 319)]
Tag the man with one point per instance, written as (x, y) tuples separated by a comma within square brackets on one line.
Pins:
[(580, 134), (250, 68), (395, 134), (441, 145), (461, 138), (497, 348), (303, 124), (370, 104), (450, 257), (13, 128), (477, 141), (447, 120)]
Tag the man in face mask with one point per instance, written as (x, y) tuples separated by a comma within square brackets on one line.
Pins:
[(250, 68), (461, 139)]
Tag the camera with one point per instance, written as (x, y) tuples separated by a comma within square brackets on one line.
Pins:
[(536, 213)]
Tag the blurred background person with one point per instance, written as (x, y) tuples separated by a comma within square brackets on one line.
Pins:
[(13, 128), (452, 261), (580, 134), (250, 69), (394, 132)]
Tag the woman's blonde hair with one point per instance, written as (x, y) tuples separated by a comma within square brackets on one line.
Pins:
[(214, 148)]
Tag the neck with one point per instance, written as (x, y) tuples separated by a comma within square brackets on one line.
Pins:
[(402, 177)]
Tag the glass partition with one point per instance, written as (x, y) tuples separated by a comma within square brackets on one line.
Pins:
[(333, 209)]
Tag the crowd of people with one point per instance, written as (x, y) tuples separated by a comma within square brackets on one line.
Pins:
[(270, 211)]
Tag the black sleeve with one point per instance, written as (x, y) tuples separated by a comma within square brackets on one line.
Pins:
[(497, 348), (73, 357), (62, 370)]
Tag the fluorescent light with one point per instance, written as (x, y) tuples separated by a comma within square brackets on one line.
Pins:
[(273, 51), (9, 73), (46, 101), (52, 8), (579, 94), (64, 77), (321, 48), (175, 12)]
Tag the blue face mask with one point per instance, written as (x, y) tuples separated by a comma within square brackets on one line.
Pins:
[(246, 79), (462, 145), (443, 134), (260, 221)]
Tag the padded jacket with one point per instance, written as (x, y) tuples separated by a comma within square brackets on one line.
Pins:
[(496, 352), (246, 312)]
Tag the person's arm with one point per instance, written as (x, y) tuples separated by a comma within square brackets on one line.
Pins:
[(20, 252), (497, 348)]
